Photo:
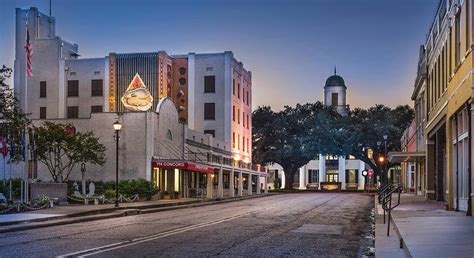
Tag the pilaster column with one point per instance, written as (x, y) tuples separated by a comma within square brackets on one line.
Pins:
[(259, 189), (361, 183), (231, 183), (209, 186), (342, 172), (301, 178), (266, 185), (240, 187), (322, 169), (249, 184), (220, 184)]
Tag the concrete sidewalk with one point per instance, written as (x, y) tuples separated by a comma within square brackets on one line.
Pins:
[(75, 210), (424, 229), (60, 215)]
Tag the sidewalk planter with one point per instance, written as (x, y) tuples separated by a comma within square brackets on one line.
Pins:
[(52, 190)]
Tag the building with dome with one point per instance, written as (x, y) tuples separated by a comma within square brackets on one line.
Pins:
[(335, 93), (327, 172)]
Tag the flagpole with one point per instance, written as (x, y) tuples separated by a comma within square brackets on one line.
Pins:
[(26, 112)]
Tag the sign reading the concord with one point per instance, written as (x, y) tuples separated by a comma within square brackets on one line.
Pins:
[(184, 166)]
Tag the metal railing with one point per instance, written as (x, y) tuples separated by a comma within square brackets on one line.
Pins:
[(387, 204)]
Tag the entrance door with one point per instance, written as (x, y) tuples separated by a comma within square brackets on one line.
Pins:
[(460, 145), (440, 184), (332, 176)]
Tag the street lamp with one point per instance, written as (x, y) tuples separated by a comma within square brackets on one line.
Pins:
[(385, 138), (117, 128), (381, 159)]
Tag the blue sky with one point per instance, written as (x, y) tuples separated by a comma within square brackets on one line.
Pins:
[(291, 46)]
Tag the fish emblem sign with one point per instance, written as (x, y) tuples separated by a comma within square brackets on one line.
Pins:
[(137, 97)]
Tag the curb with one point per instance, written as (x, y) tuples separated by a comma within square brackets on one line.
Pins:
[(115, 213)]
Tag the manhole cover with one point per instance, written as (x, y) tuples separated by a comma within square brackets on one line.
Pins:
[(319, 229)]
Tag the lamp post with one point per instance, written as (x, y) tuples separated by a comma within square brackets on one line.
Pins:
[(83, 179), (385, 137), (364, 174), (117, 128)]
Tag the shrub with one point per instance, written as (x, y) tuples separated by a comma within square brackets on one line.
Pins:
[(16, 188), (127, 188)]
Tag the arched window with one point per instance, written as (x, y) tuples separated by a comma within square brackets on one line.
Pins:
[(169, 136)]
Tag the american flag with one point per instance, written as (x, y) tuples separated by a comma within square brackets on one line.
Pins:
[(29, 54)]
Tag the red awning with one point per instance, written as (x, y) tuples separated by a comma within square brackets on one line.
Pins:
[(189, 166)]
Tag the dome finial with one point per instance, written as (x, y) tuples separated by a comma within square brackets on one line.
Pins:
[(334, 70)]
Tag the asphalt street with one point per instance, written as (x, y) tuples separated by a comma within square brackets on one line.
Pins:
[(299, 224)]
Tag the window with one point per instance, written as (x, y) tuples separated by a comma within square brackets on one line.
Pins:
[(334, 97), (233, 87), (238, 90), (352, 176), (313, 176), (210, 83), (209, 111), (467, 25), (97, 73), (97, 88), (238, 116), (248, 124), (238, 141), (73, 112), (233, 139), (182, 81), (209, 69), (248, 101), (243, 119), (211, 132), (457, 39), (233, 113), (73, 88), (96, 109), (43, 89), (182, 70), (243, 143), (248, 144), (42, 112)]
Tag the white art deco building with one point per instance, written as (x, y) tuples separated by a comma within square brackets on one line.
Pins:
[(328, 172)]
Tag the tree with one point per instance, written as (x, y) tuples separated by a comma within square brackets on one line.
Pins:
[(14, 123), (61, 149), (363, 129), (293, 136)]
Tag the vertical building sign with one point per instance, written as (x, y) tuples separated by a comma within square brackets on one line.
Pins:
[(112, 84)]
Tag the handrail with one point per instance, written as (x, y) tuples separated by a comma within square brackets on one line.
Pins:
[(382, 192), (387, 204)]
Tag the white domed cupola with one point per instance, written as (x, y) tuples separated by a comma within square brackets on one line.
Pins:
[(335, 93)]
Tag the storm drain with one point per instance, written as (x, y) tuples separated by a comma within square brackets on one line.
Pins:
[(319, 229)]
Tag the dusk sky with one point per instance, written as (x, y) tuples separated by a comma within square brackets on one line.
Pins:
[(290, 46)]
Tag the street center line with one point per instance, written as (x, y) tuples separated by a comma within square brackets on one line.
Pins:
[(110, 247)]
